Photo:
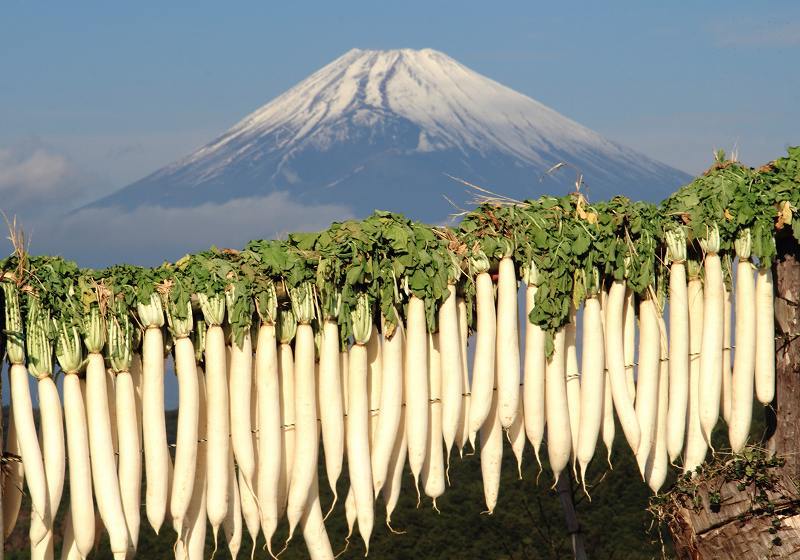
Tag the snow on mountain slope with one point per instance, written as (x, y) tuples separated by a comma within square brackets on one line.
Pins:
[(380, 129)]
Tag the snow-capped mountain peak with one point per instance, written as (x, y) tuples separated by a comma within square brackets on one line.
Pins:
[(371, 119)]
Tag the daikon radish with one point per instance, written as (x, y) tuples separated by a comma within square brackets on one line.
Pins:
[(647, 378), (313, 527), (104, 472), (13, 479), (287, 327), (710, 384), (240, 384), (765, 337), (304, 466), (269, 418), (249, 512), (218, 477), (491, 456), (331, 406), (483, 365), (507, 343), (592, 381), (745, 357), (629, 326), (559, 438), (69, 548), (130, 453), (615, 363), (154, 431), (678, 343), (573, 383), (463, 332), (696, 445), (391, 489), (725, 404), (358, 460), (232, 525), (535, 362), (69, 352), (386, 432), (30, 451), (516, 435), (433, 468), (181, 323), (40, 365), (655, 471), (451, 372), (416, 387), (195, 539), (374, 380), (609, 427)]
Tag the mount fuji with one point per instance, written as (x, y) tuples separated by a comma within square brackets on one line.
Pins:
[(384, 129)]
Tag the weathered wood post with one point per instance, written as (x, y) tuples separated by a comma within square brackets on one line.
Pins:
[(732, 529)]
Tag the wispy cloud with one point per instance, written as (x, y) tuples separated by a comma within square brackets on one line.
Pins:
[(149, 235), (769, 33), (36, 179)]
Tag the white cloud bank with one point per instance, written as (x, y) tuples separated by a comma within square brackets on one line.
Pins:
[(149, 235)]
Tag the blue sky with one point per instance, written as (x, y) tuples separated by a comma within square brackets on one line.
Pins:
[(116, 90)]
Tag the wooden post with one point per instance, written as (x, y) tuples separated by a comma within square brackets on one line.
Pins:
[(721, 534)]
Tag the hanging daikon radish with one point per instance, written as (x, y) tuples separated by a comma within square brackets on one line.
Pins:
[(101, 451), (609, 428), (696, 445), (745, 357), (40, 365), (287, 328), (330, 387), (592, 376), (725, 396), (14, 479), (629, 326), (491, 455), (535, 364), (573, 383), (433, 474), (195, 539), (559, 438), (451, 373), (678, 342), (217, 414), (391, 489), (269, 412), (765, 336), (240, 313), (232, 524), (655, 471), (154, 431), (507, 342), (416, 386), (180, 320), (374, 379), (358, 459), (483, 365), (516, 435), (69, 351), (647, 377), (615, 362), (304, 466), (69, 548), (463, 333), (120, 354), (30, 451), (386, 432), (313, 527), (710, 383)]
